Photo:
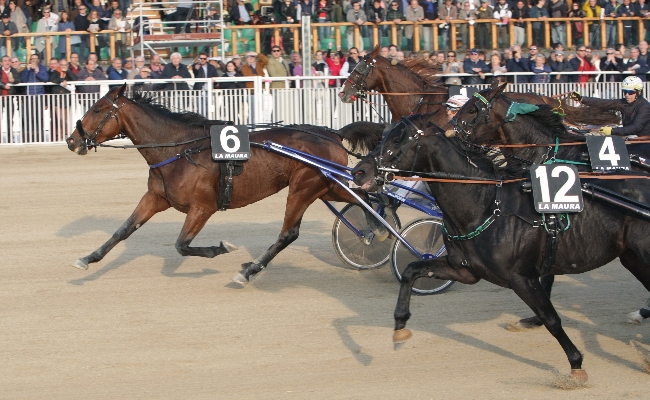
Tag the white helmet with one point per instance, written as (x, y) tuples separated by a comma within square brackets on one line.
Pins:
[(456, 101), (633, 83)]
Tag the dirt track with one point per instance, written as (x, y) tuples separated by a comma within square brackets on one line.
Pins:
[(148, 323)]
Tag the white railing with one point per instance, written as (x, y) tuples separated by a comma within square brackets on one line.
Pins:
[(51, 117)]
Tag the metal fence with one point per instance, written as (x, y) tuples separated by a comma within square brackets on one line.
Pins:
[(51, 118)]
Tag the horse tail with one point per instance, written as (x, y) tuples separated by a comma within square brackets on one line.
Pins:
[(363, 136), (588, 115)]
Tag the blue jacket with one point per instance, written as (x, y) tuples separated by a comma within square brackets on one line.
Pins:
[(31, 76), (113, 75), (467, 67)]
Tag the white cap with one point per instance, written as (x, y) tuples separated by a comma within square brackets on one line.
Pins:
[(457, 101)]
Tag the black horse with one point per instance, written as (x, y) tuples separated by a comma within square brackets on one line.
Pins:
[(494, 232), (488, 120)]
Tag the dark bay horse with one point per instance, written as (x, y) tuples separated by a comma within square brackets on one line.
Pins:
[(191, 185), (415, 87), (491, 229), (481, 122)]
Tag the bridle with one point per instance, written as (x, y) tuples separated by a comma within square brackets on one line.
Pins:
[(484, 108), (88, 140), (405, 144), (362, 69)]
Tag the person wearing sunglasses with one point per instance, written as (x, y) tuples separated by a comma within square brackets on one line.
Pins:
[(635, 110), (203, 69), (277, 66), (611, 63), (454, 104), (453, 66)]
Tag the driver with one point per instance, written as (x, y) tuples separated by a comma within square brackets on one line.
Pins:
[(454, 104), (635, 110)]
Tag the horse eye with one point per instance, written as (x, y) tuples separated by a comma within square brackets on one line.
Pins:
[(96, 110), (472, 111)]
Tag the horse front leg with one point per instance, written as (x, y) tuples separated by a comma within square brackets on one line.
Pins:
[(149, 205), (194, 222), (532, 293), (436, 268)]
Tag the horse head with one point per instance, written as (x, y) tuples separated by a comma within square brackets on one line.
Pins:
[(471, 120), (400, 149), (99, 124), (363, 77)]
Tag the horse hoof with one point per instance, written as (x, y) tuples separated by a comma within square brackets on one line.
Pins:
[(401, 336), (240, 279), (579, 375), (529, 323), (80, 264), (228, 246), (634, 317)]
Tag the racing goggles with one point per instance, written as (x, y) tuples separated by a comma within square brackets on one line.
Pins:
[(629, 91)]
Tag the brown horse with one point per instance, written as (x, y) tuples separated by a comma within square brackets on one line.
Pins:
[(412, 87), (191, 185)]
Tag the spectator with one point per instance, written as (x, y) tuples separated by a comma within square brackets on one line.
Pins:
[(503, 13), (240, 14), (127, 64), (539, 12), (576, 26), (231, 72), (65, 25), (155, 66), (353, 59), (580, 63), (139, 64), (465, 14), (34, 72), (452, 66), (144, 74), (337, 65), (17, 16), (627, 10), (520, 13), (636, 65), (541, 70), (337, 11), (115, 71), (592, 10), (7, 28), (184, 12), (96, 25), (611, 26), (400, 56), (287, 13), (61, 76), (306, 8), (74, 63), (9, 77), (476, 67), (277, 67), (392, 52), (236, 59), (218, 64), (320, 65), (45, 25), (177, 71), (323, 8), (119, 23), (253, 67), (532, 55), (484, 30), (611, 63), (518, 64), (358, 17), (560, 65), (414, 13), (643, 48), (81, 23), (74, 9), (95, 5), (643, 11), (376, 13), (396, 16), (110, 10), (295, 68), (447, 12), (559, 9)]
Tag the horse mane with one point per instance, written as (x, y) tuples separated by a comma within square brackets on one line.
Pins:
[(421, 67), (151, 101), (596, 115)]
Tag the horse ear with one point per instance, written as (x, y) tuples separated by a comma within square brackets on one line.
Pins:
[(375, 51), (121, 91), (496, 90)]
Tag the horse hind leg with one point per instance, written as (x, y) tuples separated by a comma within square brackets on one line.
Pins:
[(531, 292), (633, 263), (194, 222), (149, 205), (532, 322)]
